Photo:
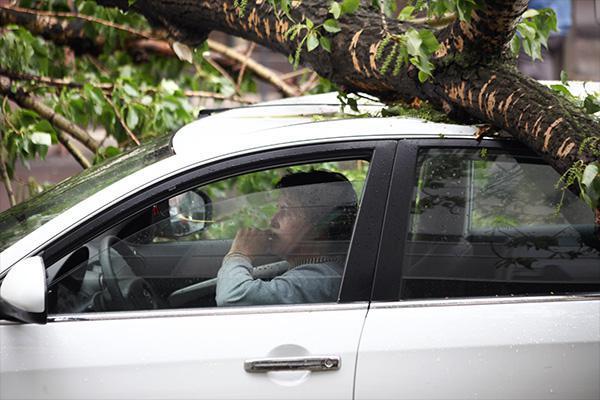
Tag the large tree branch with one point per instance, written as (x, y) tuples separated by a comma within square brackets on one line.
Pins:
[(25, 100), (66, 141), (471, 74), (489, 32)]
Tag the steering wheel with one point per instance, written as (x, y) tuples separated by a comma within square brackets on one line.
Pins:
[(126, 293), (208, 287)]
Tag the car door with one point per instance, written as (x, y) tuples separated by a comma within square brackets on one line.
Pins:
[(488, 283), (272, 351)]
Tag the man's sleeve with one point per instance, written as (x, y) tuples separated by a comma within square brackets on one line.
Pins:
[(307, 284)]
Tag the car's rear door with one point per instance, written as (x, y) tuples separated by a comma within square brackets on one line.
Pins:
[(210, 353), (488, 284)]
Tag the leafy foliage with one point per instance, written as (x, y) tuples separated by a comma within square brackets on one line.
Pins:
[(107, 88), (439, 8), (533, 32), (312, 36), (586, 177), (413, 46)]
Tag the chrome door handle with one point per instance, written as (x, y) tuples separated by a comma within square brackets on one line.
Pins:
[(327, 363)]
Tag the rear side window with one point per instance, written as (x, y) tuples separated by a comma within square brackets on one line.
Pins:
[(489, 223)]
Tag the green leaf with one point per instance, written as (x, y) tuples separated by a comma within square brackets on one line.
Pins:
[(406, 13), (353, 104), (285, 6), (335, 9), (309, 23), (146, 100), (41, 138), (515, 45), (331, 26), (130, 90), (530, 13), (325, 43), (527, 31), (413, 42), (591, 104), (132, 118), (430, 42), (349, 6), (169, 86), (561, 89), (312, 42), (564, 78), (589, 174)]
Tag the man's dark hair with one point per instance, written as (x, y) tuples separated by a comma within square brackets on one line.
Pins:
[(337, 224)]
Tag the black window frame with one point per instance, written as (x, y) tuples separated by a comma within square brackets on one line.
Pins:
[(362, 257), (390, 264)]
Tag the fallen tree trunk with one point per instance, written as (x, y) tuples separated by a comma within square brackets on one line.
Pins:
[(474, 72)]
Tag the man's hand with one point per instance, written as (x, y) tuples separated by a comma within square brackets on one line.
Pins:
[(251, 242)]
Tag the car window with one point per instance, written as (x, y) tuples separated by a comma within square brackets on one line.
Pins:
[(487, 223), (277, 236), (18, 221)]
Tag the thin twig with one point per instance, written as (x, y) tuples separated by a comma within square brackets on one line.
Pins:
[(434, 22), (384, 25), (64, 139), (294, 74), (259, 70), (222, 71), (240, 77), (217, 96), (310, 83), (98, 65), (121, 120)]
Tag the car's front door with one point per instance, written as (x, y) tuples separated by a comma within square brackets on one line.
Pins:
[(488, 285), (188, 347)]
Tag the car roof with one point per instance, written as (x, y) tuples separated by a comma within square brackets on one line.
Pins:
[(302, 119)]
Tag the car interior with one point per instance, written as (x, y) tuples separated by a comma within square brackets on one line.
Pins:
[(168, 255)]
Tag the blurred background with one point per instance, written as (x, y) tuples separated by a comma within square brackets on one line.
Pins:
[(575, 49)]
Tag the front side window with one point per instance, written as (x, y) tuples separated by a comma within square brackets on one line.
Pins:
[(489, 223), (24, 218), (277, 236)]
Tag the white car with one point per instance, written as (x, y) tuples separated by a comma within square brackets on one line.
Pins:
[(465, 273)]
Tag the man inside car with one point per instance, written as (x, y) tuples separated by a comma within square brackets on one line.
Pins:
[(316, 212)]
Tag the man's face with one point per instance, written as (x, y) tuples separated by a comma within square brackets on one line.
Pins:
[(289, 225)]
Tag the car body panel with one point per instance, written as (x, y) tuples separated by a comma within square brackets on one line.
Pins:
[(177, 354), (528, 348)]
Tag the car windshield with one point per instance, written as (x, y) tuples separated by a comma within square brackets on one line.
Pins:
[(29, 215)]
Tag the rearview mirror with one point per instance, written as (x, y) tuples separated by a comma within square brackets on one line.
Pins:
[(23, 292), (189, 212)]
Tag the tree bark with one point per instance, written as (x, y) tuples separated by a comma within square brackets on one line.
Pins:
[(474, 76)]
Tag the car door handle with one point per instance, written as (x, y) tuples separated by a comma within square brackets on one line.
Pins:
[(326, 363)]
